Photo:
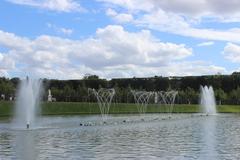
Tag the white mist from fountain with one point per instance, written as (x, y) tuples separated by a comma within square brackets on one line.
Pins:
[(28, 98), (207, 101)]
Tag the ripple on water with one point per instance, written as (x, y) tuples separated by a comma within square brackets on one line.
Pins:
[(181, 137)]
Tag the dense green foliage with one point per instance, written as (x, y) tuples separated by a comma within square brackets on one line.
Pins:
[(226, 87), (72, 108)]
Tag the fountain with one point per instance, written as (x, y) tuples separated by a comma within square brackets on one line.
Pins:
[(141, 98), (207, 101), (28, 97), (167, 98), (104, 97)]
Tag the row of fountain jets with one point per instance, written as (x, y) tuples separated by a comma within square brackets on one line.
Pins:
[(29, 94)]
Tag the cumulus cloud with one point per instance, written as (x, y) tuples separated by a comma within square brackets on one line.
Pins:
[(111, 52), (6, 64), (53, 5), (188, 8), (232, 52), (183, 17)]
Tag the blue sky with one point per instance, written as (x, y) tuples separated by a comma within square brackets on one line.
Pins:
[(67, 39)]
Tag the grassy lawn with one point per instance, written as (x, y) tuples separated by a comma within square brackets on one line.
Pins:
[(6, 108), (64, 108)]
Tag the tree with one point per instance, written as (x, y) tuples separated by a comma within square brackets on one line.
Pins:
[(90, 77), (191, 95), (234, 96), (220, 95)]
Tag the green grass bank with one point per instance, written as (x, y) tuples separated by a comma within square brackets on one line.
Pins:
[(73, 108)]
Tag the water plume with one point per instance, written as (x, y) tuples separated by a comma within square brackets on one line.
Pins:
[(208, 102), (28, 98)]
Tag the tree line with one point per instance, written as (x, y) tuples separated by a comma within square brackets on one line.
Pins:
[(226, 87)]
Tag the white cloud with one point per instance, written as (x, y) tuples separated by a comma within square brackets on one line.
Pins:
[(183, 17), (209, 43), (214, 9), (232, 52), (119, 17), (173, 23), (183, 68), (112, 52), (132, 5), (66, 31), (62, 30), (53, 5), (6, 64), (4, 73), (111, 12), (194, 9)]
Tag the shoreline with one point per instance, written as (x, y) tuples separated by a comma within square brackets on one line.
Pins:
[(85, 108)]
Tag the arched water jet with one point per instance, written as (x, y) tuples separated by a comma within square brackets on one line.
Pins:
[(141, 99), (166, 98), (104, 98)]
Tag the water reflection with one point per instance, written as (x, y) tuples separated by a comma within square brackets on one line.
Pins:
[(25, 145), (5, 145), (209, 146), (210, 137)]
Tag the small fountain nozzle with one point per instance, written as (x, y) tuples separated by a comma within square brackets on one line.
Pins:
[(28, 126)]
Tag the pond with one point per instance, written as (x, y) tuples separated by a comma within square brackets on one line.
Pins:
[(150, 136)]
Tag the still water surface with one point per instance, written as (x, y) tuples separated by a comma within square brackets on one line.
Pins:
[(124, 137)]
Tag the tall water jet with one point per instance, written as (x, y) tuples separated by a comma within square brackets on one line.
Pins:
[(28, 98), (207, 101)]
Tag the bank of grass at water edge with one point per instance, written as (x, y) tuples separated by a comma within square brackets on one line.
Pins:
[(74, 108)]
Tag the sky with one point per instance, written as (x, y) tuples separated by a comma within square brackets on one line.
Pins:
[(68, 39)]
